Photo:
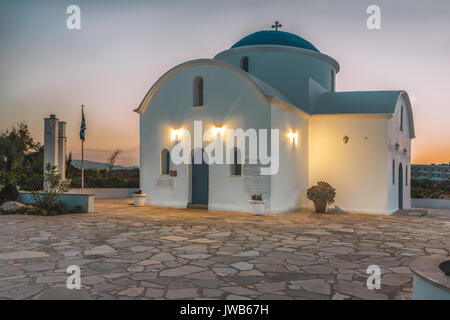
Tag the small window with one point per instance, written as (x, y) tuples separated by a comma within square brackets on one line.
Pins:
[(198, 91), (401, 119), (393, 171), (406, 175), (236, 167), (333, 79), (244, 64), (165, 161)]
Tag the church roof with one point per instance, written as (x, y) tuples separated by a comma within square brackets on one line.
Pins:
[(362, 102), (268, 90), (272, 37), (354, 102), (263, 88)]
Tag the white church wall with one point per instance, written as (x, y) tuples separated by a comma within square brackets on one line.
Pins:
[(356, 169), (229, 100), (286, 69), (396, 154), (289, 185)]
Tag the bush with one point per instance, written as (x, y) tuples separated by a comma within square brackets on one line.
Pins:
[(48, 200), (323, 192), (416, 192), (257, 197), (8, 193)]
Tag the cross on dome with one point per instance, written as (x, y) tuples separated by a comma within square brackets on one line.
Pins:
[(277, 25)]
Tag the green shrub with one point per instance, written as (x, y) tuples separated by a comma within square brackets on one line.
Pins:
[(416, 192), (323, 192), (257, 197), (48, 200)]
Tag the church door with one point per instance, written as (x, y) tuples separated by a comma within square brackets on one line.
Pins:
[(400, 187), (200, 181)]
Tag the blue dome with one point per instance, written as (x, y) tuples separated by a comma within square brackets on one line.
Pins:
[(278, 38)]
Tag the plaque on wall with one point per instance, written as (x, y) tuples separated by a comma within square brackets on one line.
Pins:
[(165, 183), (173, 173), (254, 182)]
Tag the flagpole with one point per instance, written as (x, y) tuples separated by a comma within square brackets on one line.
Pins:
[(82, 157), (82, 164)]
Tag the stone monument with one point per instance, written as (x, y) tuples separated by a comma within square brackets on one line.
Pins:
[(55, 144)]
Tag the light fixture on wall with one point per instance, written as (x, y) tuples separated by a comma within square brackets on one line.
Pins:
[(345, 139), (218, 130), (176, 134), (293, 136)]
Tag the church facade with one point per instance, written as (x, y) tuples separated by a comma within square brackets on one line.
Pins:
[(359, 142)]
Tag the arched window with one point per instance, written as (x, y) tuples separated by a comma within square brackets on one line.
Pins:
[(198, 91), (236, 167), (165, 161), (401, 119), (393, 171), (244, 64)]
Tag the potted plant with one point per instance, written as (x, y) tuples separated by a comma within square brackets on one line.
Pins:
[(139, 198), (257, 204), (321, 194)]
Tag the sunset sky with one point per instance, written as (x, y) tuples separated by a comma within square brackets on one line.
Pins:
[(123, 47)]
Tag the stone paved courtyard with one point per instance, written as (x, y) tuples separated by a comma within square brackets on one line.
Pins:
[(126, 252)]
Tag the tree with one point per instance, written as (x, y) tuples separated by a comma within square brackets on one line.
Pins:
[(15, 145), (31, 176), (71, 170), (111, 161)]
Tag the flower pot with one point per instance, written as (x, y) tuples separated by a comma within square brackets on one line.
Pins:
[(139, 199), (257, 207), (320, 206)]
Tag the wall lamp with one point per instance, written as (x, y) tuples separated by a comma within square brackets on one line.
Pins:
[(176, 134), (218, 130), (293, 136)]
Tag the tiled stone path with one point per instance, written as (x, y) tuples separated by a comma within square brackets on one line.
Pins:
[(159, 253)]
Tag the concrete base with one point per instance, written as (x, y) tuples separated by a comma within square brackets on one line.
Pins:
[(106, 193), (69, 200), (430, 283), (430, 203), (426, 290)]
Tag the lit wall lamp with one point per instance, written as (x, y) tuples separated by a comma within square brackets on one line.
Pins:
[(176, 134), (218, 130), (293, 136)]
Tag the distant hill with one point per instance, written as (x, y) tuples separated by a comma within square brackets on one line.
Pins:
[(98, 165)]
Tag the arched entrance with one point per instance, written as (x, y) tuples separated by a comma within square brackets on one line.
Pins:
[(199, 179), (400, 186)]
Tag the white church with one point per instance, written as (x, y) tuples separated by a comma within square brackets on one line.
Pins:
[(358, 141)]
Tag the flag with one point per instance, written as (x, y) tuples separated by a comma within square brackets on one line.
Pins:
[(83, 125)]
